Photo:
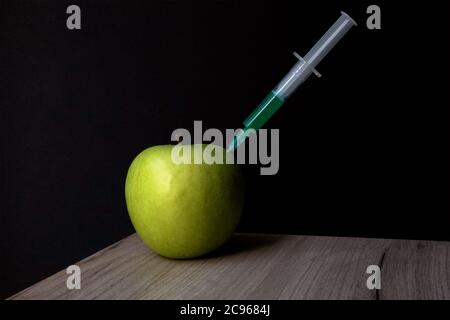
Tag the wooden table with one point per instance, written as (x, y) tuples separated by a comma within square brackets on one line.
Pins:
[(254, 266)]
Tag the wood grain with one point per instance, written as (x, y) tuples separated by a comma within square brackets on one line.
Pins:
[(261, 267)]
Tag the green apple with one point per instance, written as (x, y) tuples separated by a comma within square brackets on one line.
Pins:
[(182, 210)]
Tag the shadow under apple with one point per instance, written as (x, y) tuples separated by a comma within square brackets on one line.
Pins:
[(242, 242)]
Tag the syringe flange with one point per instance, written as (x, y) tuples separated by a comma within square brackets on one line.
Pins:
[(299, 57)]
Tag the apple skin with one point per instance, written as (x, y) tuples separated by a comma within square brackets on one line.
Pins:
[(182, 211)]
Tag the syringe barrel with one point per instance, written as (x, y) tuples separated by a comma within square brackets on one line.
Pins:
[(303, 68), (295, 77), (329, 39)]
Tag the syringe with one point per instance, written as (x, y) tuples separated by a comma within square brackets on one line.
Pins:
[(296, 76)]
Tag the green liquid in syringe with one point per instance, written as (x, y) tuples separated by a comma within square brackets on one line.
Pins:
[(263, 112)]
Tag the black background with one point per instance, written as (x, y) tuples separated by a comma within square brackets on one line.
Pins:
[(363, 150)]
